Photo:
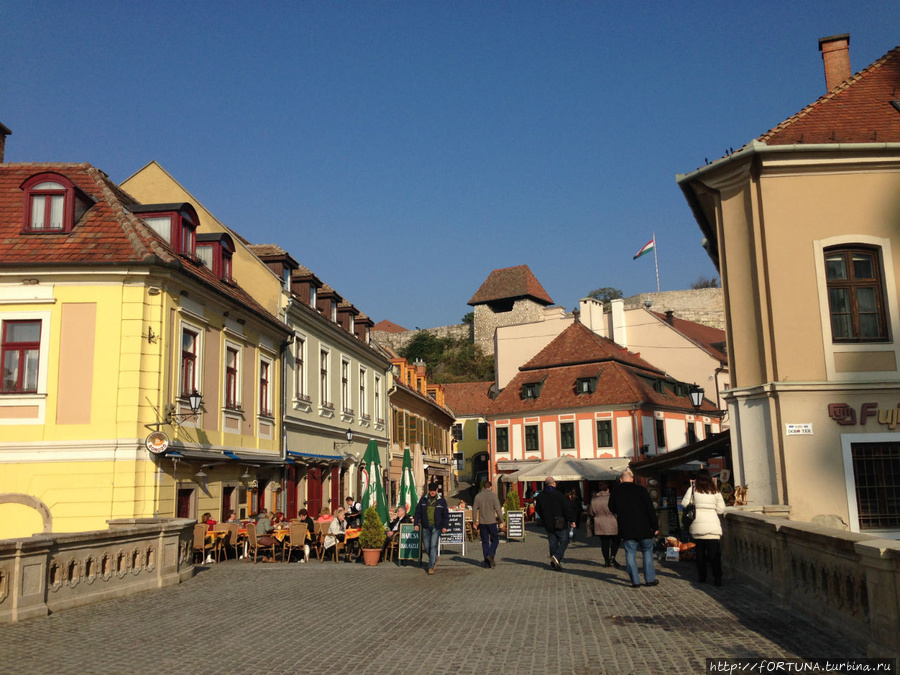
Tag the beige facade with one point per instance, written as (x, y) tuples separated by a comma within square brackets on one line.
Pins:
[(773, 213)]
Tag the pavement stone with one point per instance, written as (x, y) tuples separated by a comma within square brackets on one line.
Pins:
[(519, 617)]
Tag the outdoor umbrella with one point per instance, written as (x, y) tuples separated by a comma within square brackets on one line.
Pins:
[(372, 487), (408, 496)]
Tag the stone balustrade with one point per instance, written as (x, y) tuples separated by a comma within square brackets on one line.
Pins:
[(846, 580), (52, 572)]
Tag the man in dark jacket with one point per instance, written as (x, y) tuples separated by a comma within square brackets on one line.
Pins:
[(431, 520), (637, 524), (555, 511)]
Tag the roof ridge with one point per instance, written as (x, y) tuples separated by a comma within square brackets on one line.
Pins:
[(841, 88)]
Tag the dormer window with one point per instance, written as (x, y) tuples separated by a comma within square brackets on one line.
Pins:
[(176, 223), (312, 295), (52, 204), (531, 389), (585, 385), (216, 252)]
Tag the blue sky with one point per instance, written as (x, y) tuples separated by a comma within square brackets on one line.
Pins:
[(403, 150)]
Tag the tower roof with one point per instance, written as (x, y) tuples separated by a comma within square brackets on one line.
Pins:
[(510, 283)]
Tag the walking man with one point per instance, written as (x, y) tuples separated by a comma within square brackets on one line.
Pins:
[(555, 511), (486, 514), (432, 517), (637, 524)]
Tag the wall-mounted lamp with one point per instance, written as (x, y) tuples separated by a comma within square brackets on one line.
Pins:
[(153, 290), (195, 400), (245, 475), (696, 394), (201, 474), (349, 435)]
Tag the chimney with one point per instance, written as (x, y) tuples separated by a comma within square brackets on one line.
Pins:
[(670, 317), (4, 132), (836, 56)]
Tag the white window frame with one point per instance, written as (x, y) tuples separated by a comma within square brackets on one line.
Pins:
[(270, 364), (376, 410), (198, 359), (238, 398), (324, 372), (38, 398), (300, 368), (847, 441), (345, 385), (363, 394)]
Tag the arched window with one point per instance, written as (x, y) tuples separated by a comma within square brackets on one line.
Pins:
[(855, 295), (52, 204)]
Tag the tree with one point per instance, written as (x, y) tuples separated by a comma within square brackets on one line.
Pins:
[(372, 535), (705, 282), (449, 359), (469, 318), (605, 294), (511, 503)]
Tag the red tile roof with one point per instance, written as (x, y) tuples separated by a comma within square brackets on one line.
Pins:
[(108, 233), (622, 378), (386, 326), (468, 398), (510, 283), (857, 111), (579, 345), (711, 340)]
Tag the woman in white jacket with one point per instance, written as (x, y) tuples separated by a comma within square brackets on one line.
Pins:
[(706, 530)]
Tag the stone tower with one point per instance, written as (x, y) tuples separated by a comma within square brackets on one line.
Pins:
[(508, 297)]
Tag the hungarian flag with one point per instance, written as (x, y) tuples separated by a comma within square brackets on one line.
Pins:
[(407, 496), (372, 485), (648, 248)]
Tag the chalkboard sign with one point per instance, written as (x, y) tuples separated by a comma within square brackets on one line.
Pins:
[(409, 543), (515, 525), (456, 530)]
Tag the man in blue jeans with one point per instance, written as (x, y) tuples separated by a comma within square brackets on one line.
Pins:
[(556, 513), (431, 520), (637, 525)]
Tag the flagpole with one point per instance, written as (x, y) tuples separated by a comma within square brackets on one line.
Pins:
[(656, 262)]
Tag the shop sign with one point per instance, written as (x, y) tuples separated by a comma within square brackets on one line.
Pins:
[(845, 414), (799, 429)]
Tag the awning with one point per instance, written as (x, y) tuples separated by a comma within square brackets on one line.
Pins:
[(327, 455), (682, 459), (572, 468), (516, 464)]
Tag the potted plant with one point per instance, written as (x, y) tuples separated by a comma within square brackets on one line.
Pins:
[(371, 539)]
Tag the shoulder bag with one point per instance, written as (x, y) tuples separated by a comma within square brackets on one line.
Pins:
[(689, 513)]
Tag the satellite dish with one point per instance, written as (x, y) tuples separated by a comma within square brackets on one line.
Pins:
[(157, 442)]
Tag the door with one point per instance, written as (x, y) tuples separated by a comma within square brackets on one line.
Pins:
[(314, 490), (185, 503)]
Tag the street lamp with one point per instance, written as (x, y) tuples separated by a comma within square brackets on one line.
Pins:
[(696, 394), (349, 435)]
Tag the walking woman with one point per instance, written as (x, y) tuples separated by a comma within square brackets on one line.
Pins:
[(706, 530), (605, 525)]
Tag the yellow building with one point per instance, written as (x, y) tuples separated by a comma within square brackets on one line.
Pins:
[(111, 314)]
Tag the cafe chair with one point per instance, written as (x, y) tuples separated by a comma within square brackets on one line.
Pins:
[(232, 540), (296, 539), (202, 545), (391, 547), (253, 545), (319, 538), (470, 526)]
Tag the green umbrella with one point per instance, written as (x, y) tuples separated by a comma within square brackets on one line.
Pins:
[(407, 496), (372, 487)]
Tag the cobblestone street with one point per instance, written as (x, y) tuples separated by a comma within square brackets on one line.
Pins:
[(345, 618)]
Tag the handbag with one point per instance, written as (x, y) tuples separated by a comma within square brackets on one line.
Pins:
[(689, 513), (559, 523)]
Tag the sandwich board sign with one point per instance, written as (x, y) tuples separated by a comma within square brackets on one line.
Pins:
[(408, 548), (456, 531), (515, 525)]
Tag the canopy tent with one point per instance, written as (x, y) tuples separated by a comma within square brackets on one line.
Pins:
[(688, 458), (571, 468), (372, 487)]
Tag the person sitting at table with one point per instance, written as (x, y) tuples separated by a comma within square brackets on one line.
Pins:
[(462, 506), (264, 531), (207, 520), (303, 517), (280, 522), (394, 526), (337, 530), (232, 517), (324, 515)]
